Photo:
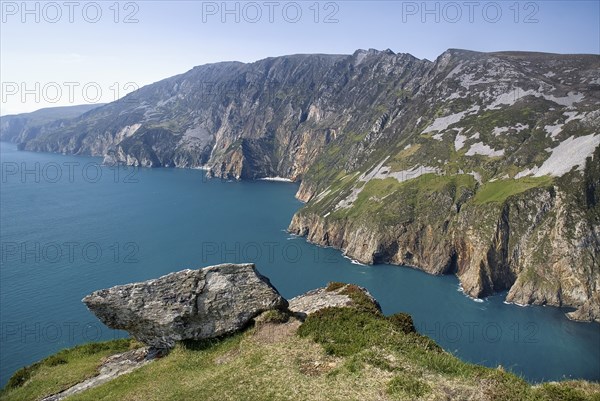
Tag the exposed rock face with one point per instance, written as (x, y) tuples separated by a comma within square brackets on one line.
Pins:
[(588, 312), (243, 121), (542, 254), (479, 164), (187, 305), (327, 297), (480, 174)]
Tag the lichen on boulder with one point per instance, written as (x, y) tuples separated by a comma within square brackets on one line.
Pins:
[(187, 305)]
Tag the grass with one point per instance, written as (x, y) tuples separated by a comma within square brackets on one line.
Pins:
[(417, 365), (344, 331), (566, 391), (403, 321), (273, 316), (388, 202), (336, 354), (240, 368), (401, 387), (499, 191), (61, 370), (334, 286), (359, 299)]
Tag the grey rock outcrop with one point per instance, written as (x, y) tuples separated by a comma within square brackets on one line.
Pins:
[(187, 305), (328, 297)]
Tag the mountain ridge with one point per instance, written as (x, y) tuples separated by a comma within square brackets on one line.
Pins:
[(477, 164)]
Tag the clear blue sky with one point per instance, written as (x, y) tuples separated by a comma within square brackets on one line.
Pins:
[(170, 37)]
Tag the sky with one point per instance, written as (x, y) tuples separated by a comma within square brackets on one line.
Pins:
[(60, 53)]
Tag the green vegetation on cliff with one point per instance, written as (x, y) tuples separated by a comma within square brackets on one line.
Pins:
[(499, 191), (523, 234)]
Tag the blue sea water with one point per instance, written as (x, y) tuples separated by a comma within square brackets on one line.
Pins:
[(70, 226)]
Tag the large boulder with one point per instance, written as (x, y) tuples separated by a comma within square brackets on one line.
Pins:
[(187, 305)]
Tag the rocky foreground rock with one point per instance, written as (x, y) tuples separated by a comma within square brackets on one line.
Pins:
[(199, 304), (187, 305)]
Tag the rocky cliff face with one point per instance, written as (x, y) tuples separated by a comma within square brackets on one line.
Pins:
[(243, 121), (480, 164), (540, 263), (485, 172)]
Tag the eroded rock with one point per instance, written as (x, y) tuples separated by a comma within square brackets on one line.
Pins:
[(187, 305)]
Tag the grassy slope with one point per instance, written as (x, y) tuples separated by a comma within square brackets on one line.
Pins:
[(499, 191), (61, 370), (428, 199), (337, 354)]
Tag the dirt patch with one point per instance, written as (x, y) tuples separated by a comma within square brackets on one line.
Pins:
[(316, 368), (227, 357), (269, 333)]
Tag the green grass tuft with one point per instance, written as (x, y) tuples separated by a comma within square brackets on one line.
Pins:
[(344, 331), (407, 387), (334, 286), (403, 321), (273, 316)]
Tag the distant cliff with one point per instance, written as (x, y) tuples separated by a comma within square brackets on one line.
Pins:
[(23, 127), (480, 164)]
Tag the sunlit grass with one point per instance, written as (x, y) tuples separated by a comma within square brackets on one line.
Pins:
[(336, 354)]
